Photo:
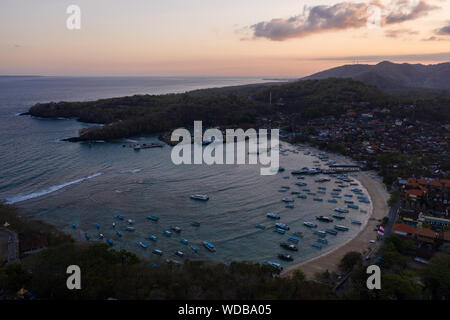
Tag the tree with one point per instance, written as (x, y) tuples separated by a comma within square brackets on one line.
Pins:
[(350, 260), (436, 277)]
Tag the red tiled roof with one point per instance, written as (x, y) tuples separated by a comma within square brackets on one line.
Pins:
[(426, 233), (401, 227), (435, 183), (414, 192)]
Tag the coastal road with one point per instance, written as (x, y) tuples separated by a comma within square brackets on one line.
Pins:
[(12, 241)]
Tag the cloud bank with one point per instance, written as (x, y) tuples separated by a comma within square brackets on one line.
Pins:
[(341, 16)]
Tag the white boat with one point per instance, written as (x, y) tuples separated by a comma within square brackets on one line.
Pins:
[(202, 197)]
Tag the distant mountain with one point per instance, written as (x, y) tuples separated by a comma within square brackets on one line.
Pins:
[(388, 75)]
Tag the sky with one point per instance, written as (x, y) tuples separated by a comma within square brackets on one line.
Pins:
[(262, 38)]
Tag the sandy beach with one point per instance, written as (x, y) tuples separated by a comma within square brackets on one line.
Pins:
[(361, 242)]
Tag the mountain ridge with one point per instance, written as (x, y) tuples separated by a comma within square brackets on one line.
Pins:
[(389, 75)]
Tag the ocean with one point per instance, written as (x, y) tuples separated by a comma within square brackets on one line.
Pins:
[(88, 183)]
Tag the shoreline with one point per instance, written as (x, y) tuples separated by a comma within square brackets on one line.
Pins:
[(361, 241)]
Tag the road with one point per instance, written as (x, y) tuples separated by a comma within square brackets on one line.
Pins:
[(13, 244), (370, 258)]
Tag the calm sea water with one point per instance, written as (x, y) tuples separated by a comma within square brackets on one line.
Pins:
[(62, 182)]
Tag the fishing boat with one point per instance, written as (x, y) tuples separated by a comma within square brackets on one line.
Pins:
[(119, 234), (152, 237), (110, 242), (260, 226), (363, 211), (273, 216), (364, 201), (339, 216), (332, 200), (142, 244), (353, 206), (157, 252), (209, 246), (349, 201), (288, 246), (130, 221), (317, 245), (356, 222), (195, 249), (130, 229), (293, 239), (101, 236), (184, 241), (280, 231), (287, 199), (310, 224), (153, 218), (113, 225), (179, 253), (120, 216), (295, 192), (97, 225), (167, 233), (348, 195), (86, 235), (341, 210), (318, 199), (74, 225), (201, 197), (324, 219), (285, 257), (306, 190), (290, 206), (282, 226), (301, 184), (275, 265), (341, 228), (331, 231), (175, 229), (302, 196), (195, 224), (322, 240), (320, 233)]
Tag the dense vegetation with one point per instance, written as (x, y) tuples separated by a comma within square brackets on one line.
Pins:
[(122, 275), (401, 279), (107, 273), (143, 114)]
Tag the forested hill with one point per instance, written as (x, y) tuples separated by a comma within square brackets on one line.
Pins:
[(388, 75), (144, 114)]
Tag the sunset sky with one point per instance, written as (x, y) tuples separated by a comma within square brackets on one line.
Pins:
[(273, 38)]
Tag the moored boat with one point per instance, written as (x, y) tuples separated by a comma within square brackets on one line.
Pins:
[(153, 218), (202, 197), (157, 252), (209, 246), (142, 244), (331, 231), (273, 216), (310, 224), (293, 239), (282, 226), (324, 219), (288, 246), (341, 228), (285, 257)]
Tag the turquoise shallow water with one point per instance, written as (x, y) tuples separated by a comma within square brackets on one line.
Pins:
[(62, 182)]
